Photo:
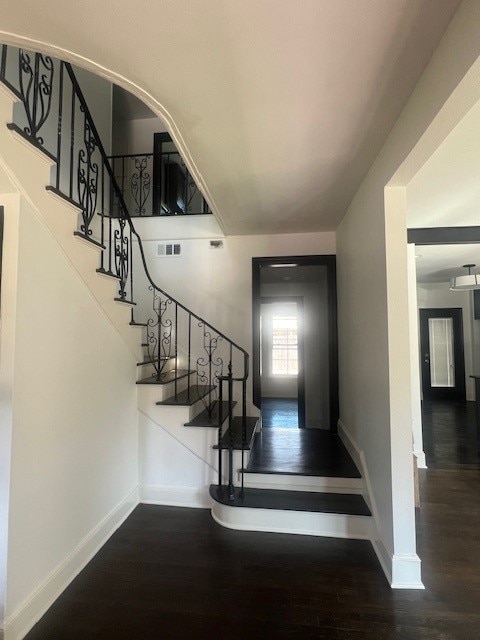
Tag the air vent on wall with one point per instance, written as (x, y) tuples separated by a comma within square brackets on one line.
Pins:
[(168, 249)]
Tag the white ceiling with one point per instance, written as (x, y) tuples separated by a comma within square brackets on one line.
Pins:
[(283, 105), (446, 191), (440, 263)]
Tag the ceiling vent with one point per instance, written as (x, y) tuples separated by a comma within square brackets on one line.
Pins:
[(169, 249)]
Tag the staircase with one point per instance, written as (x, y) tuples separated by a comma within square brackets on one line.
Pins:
[(192, 378)]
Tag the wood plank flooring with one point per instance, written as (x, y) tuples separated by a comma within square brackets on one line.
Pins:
[(170, 573), (280, 412), (312, 452), (450, 434)]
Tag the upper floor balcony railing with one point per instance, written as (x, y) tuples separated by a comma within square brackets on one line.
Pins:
[(157, 184)]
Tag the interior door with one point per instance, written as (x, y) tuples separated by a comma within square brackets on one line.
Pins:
[(442, 354)]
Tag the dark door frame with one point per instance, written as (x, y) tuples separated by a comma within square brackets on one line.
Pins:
[(301, 351), (458, 392), (329, 261), (158, 140)]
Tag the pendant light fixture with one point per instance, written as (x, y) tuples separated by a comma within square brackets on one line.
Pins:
[(467, 282)]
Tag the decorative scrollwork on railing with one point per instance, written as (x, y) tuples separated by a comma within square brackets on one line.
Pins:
[(122, 257), (140, 185), (87, 176), (159, 333), (35, 88), (210, 365)]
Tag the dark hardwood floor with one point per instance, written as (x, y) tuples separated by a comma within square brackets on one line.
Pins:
[(280, 412), (170, 573), (312, 452), (449, 434)]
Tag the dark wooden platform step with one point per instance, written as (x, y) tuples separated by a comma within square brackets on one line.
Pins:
[(188, 397), (237, 434), (153, 360), (166, 377), (341, 503), (209, 417)]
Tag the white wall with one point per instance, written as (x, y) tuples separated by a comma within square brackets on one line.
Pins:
[(375, 384), (135, 136), (11, 203), (437, 295), (74, 465)]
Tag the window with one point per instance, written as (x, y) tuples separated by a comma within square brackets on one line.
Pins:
[(284, 349)]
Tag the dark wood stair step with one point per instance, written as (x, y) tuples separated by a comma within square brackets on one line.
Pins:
[(110, 274), (153, 360), (209, 417), (237, 434), (189, 396), (166, 377), (311, 501)]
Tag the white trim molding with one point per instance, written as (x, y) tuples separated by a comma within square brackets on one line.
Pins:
[(33, 608), (401, 570), (329, 525), (193, 497)]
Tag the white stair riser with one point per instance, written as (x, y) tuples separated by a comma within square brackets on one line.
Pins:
[(298, 522), (160, 392), (148, 370), (321, 484)]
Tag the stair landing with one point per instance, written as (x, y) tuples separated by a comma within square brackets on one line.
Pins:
[(304, 452)]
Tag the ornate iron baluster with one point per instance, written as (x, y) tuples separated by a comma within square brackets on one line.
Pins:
[(122, 258), (159, 342), (209, 366), (35, 87), (87, 178), (140, 185)]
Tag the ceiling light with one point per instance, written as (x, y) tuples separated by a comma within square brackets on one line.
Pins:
[(283, 264), (467, 282)]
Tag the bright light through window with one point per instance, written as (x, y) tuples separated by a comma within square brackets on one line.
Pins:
[(285, 346)]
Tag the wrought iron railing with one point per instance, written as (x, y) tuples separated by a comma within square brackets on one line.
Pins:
[(52, 114), (158, 184)]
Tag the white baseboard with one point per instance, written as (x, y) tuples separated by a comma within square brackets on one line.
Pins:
[(327, 525), (22, 620), (401, 571), (195, 497)]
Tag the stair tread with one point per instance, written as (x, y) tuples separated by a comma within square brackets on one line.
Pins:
[(237, 434), (341, 503), (166, 377), (303, 452), (152, 360), (203, 419), (186, 398)]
